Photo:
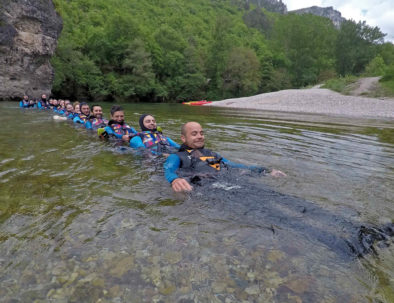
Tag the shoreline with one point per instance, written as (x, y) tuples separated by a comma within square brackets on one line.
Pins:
[(314, 101)]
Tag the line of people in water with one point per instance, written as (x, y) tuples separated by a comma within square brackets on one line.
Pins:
[(189, 164), (191, 156)]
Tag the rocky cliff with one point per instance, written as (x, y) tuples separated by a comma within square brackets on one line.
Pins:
[(28, 37), (328, 12), (270, 5)]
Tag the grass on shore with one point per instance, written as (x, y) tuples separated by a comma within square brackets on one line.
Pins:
[(343, 85)]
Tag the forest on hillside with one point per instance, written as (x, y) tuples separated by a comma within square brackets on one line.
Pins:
[(177, 50)]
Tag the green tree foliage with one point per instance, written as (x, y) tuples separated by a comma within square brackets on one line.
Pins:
[(242, 74), (376, 67), (356, 45), (177, 50), (306, 43)]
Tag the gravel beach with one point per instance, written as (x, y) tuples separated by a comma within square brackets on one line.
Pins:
[(314, 100)]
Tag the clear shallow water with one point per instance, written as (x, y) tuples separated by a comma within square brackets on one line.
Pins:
[(82, 221)]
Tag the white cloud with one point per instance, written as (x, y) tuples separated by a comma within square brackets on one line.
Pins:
[(375, 12)]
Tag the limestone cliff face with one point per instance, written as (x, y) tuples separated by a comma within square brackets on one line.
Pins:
[(276, 6), (328, 12), (29, 30)]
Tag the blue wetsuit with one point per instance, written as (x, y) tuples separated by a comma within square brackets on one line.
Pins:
[(81, 118), (24, 104), (41, 104)]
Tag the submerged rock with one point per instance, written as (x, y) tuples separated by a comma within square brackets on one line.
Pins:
[(29, 30)]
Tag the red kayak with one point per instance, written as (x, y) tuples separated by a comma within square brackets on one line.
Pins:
[(196, 103)]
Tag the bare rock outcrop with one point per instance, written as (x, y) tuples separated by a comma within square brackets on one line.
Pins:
[(276, 6), (29, 30), (327, 12)]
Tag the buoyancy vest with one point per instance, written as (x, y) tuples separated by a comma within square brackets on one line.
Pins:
[(24, 103), (154, 139), (43, 103), (83, 117), (98, 123), (199, 160), (120, 128)]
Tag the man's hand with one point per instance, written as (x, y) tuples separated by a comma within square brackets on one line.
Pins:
[(277, 173), (126, 138), (181, 184)]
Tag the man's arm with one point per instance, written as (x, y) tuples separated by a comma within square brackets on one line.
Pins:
[(173, 143), (170, 167), (255, 168), (136, 142)]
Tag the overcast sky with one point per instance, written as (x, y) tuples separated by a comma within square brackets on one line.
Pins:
[(375, 12)]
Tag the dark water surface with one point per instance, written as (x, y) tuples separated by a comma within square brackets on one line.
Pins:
[(81, 221)]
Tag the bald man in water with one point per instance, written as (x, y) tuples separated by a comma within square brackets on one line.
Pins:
[(192, 156)]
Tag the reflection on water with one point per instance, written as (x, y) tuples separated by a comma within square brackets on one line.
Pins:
[(82, 221)]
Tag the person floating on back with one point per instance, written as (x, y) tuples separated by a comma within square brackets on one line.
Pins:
[(117, 128), (83, 117), (152, 138), (96, 119), (194, 157)]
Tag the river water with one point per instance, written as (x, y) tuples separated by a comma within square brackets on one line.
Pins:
[(83, 221)]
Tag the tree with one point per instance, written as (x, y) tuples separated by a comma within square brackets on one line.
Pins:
[(356, 45), (242, 74)]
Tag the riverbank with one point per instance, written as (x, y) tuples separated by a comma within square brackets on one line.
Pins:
[(314, 101)]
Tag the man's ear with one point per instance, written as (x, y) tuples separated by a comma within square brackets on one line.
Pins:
[(183, 138)]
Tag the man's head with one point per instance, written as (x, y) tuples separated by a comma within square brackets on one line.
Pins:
[(85, 109), (43, 97), (117, 114), (26, 97), (97, 111), (69, 108), (192, 135), (54, 102), (147, 123)]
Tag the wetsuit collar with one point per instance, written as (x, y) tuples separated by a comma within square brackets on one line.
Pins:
[(184, 147)]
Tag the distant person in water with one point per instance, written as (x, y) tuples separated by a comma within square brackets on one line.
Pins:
[(43, 102), (24, 103), (117, 128), (69, 112), (151, 138), (193, 157), (77, 107), (96, 119), (83, 117)]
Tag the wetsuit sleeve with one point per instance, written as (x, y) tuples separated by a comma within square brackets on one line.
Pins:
[(254, 168), (136, 142), (39, 105), (110, 132), (173, 143), (88, 125), (133, 131), (77, 120), (170, 167)]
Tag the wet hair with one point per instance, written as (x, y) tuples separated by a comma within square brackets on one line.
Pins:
[(76, 103), (116, 108), (91, 108)]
